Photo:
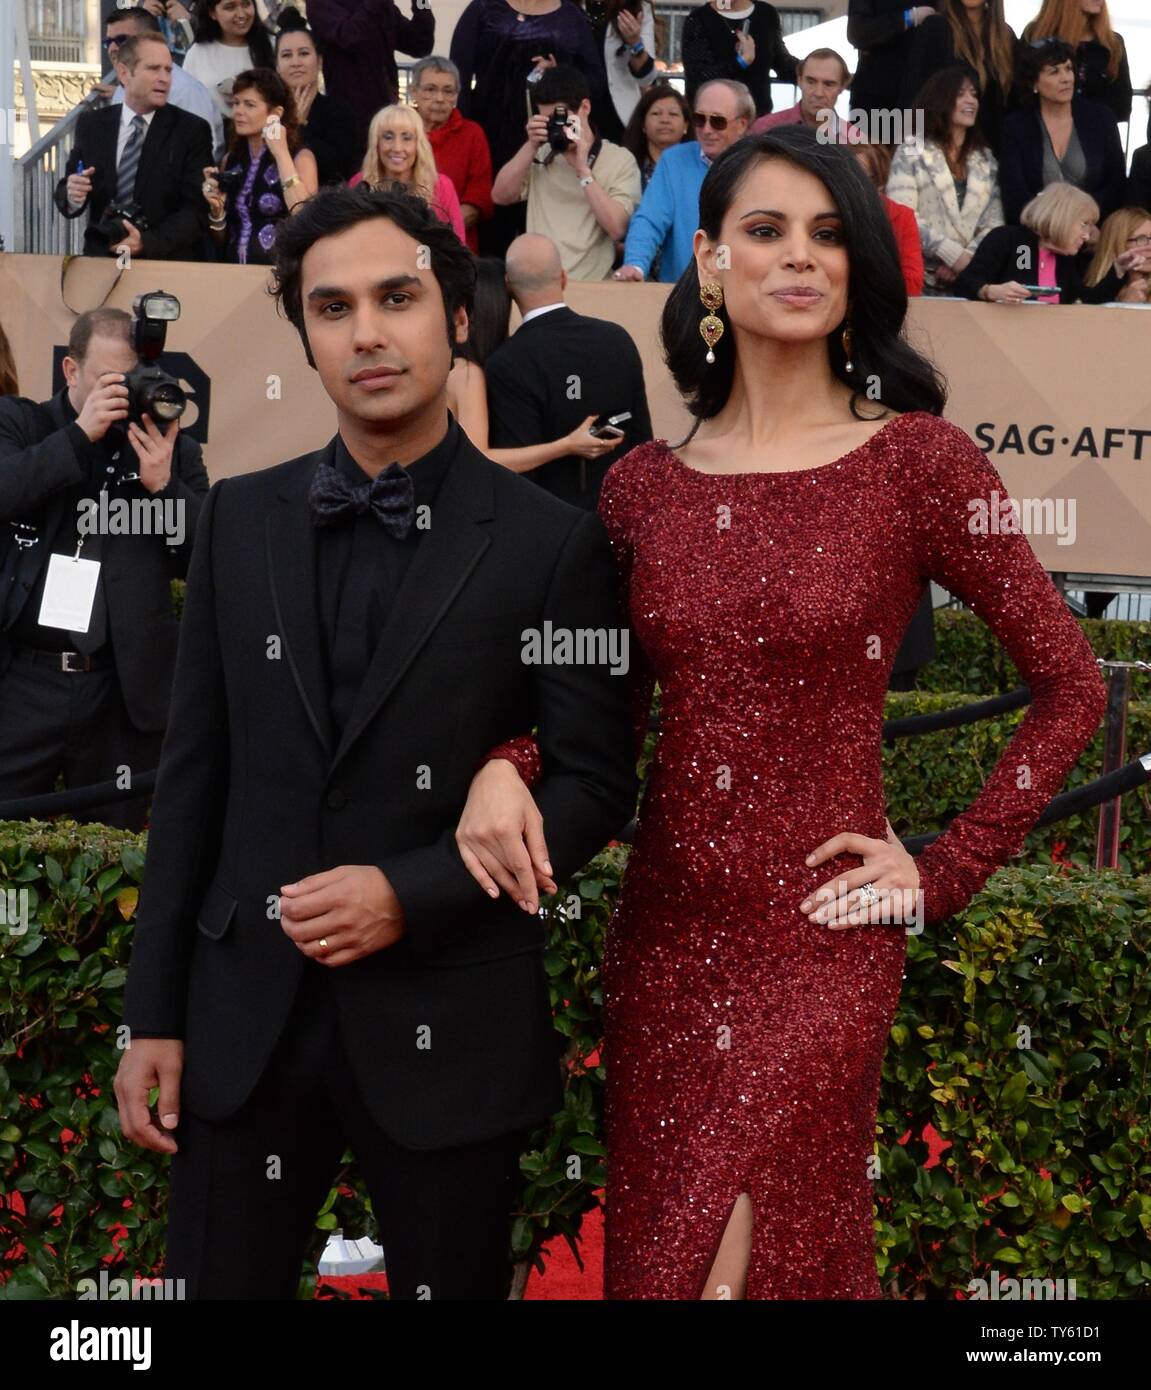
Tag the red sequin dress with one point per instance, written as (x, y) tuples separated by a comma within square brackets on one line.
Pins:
[(744, 1042)]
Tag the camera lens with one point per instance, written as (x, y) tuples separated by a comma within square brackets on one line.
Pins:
[(167, 401)]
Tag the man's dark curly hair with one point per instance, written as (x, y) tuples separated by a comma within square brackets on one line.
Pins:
[(334, 210)]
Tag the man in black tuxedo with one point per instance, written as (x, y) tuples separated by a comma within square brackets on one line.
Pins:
[(145, 153), (314, 967), (557, 369), (86, 703)]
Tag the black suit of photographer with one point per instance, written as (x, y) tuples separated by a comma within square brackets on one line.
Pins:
[(176, 151), (84, 722)]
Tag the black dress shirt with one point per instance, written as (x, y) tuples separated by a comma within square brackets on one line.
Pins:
[(359, 570)]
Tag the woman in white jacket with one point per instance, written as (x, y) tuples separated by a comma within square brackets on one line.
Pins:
[(951, 182), (625, 29)]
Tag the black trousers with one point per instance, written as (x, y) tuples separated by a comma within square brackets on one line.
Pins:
[(245, 1192), (74, 723)]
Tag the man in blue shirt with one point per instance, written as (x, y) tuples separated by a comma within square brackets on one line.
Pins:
[(665, 221)]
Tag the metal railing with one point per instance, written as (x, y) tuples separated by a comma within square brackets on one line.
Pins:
[(39, 227)]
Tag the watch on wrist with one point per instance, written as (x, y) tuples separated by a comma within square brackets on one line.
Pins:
[(587, 178)]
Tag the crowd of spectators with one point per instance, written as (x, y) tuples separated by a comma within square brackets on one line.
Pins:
[(556, 118)]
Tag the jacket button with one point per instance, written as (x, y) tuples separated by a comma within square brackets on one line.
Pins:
[(336, 799)]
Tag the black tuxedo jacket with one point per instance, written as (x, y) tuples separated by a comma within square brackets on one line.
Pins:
[(177, 149), (529, 402), (45, 461), (449, 1031)]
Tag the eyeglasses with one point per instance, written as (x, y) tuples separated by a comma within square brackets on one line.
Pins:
[(1139, 241), (115, 41), (699, 120)]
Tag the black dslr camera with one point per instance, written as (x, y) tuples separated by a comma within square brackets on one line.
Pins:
[(111, 224), (230, 180), (151, 390), (558, 137)]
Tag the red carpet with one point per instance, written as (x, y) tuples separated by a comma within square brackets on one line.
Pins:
[(563, 1278)]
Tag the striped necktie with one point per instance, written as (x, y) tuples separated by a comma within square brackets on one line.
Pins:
[(130, 162)]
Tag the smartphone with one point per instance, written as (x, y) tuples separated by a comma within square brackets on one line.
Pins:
[(79, 168), (608, 425), (1042, 289)]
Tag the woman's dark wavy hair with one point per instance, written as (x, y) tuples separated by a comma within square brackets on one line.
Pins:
[(334, 210), (877, 295), (272, 90), (206, 29), (937, 98), (490, 312), (1033, 58)]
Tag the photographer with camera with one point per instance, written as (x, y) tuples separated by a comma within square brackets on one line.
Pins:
[(85, 701), (581, 190), (136, 168), (267, 173)]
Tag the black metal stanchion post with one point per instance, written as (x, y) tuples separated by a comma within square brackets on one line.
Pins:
[(1114, 751)]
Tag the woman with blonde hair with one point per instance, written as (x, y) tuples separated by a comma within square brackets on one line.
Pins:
[(1101, 70), (399, 152), (1052, 248), (1121, 267)]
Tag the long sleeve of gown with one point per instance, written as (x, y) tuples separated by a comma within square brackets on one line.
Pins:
[(615, 509), (997, 574)]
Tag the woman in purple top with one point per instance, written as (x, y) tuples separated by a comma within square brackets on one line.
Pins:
[(501, 43), (266, 172)]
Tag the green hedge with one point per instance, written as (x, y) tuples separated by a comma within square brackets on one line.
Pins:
[(1047, 1173), (931, 778), (970, 658), (1062, 952)]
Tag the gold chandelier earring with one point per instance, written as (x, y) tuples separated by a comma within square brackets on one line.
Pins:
[(848, 365), (711, 326)]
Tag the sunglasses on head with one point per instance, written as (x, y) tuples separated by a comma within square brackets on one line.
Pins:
[(699, 120)]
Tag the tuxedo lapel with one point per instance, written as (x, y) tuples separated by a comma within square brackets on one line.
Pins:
[(447, 554), (103, 157), (291, 554)]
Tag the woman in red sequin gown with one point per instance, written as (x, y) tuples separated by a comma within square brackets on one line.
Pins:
[(769, 569)]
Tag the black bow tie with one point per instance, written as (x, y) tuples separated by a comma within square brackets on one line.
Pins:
[(390, 496)]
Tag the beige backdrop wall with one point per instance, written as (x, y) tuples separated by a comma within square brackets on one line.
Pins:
[(1058, 397)]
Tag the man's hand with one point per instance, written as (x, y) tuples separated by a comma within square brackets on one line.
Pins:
[(79, 186), (577, 152), (500, 836), (106, 406), (537, 131), (132, 243), (628, 272), (154, 450), (342, 915), (147, 1063)]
